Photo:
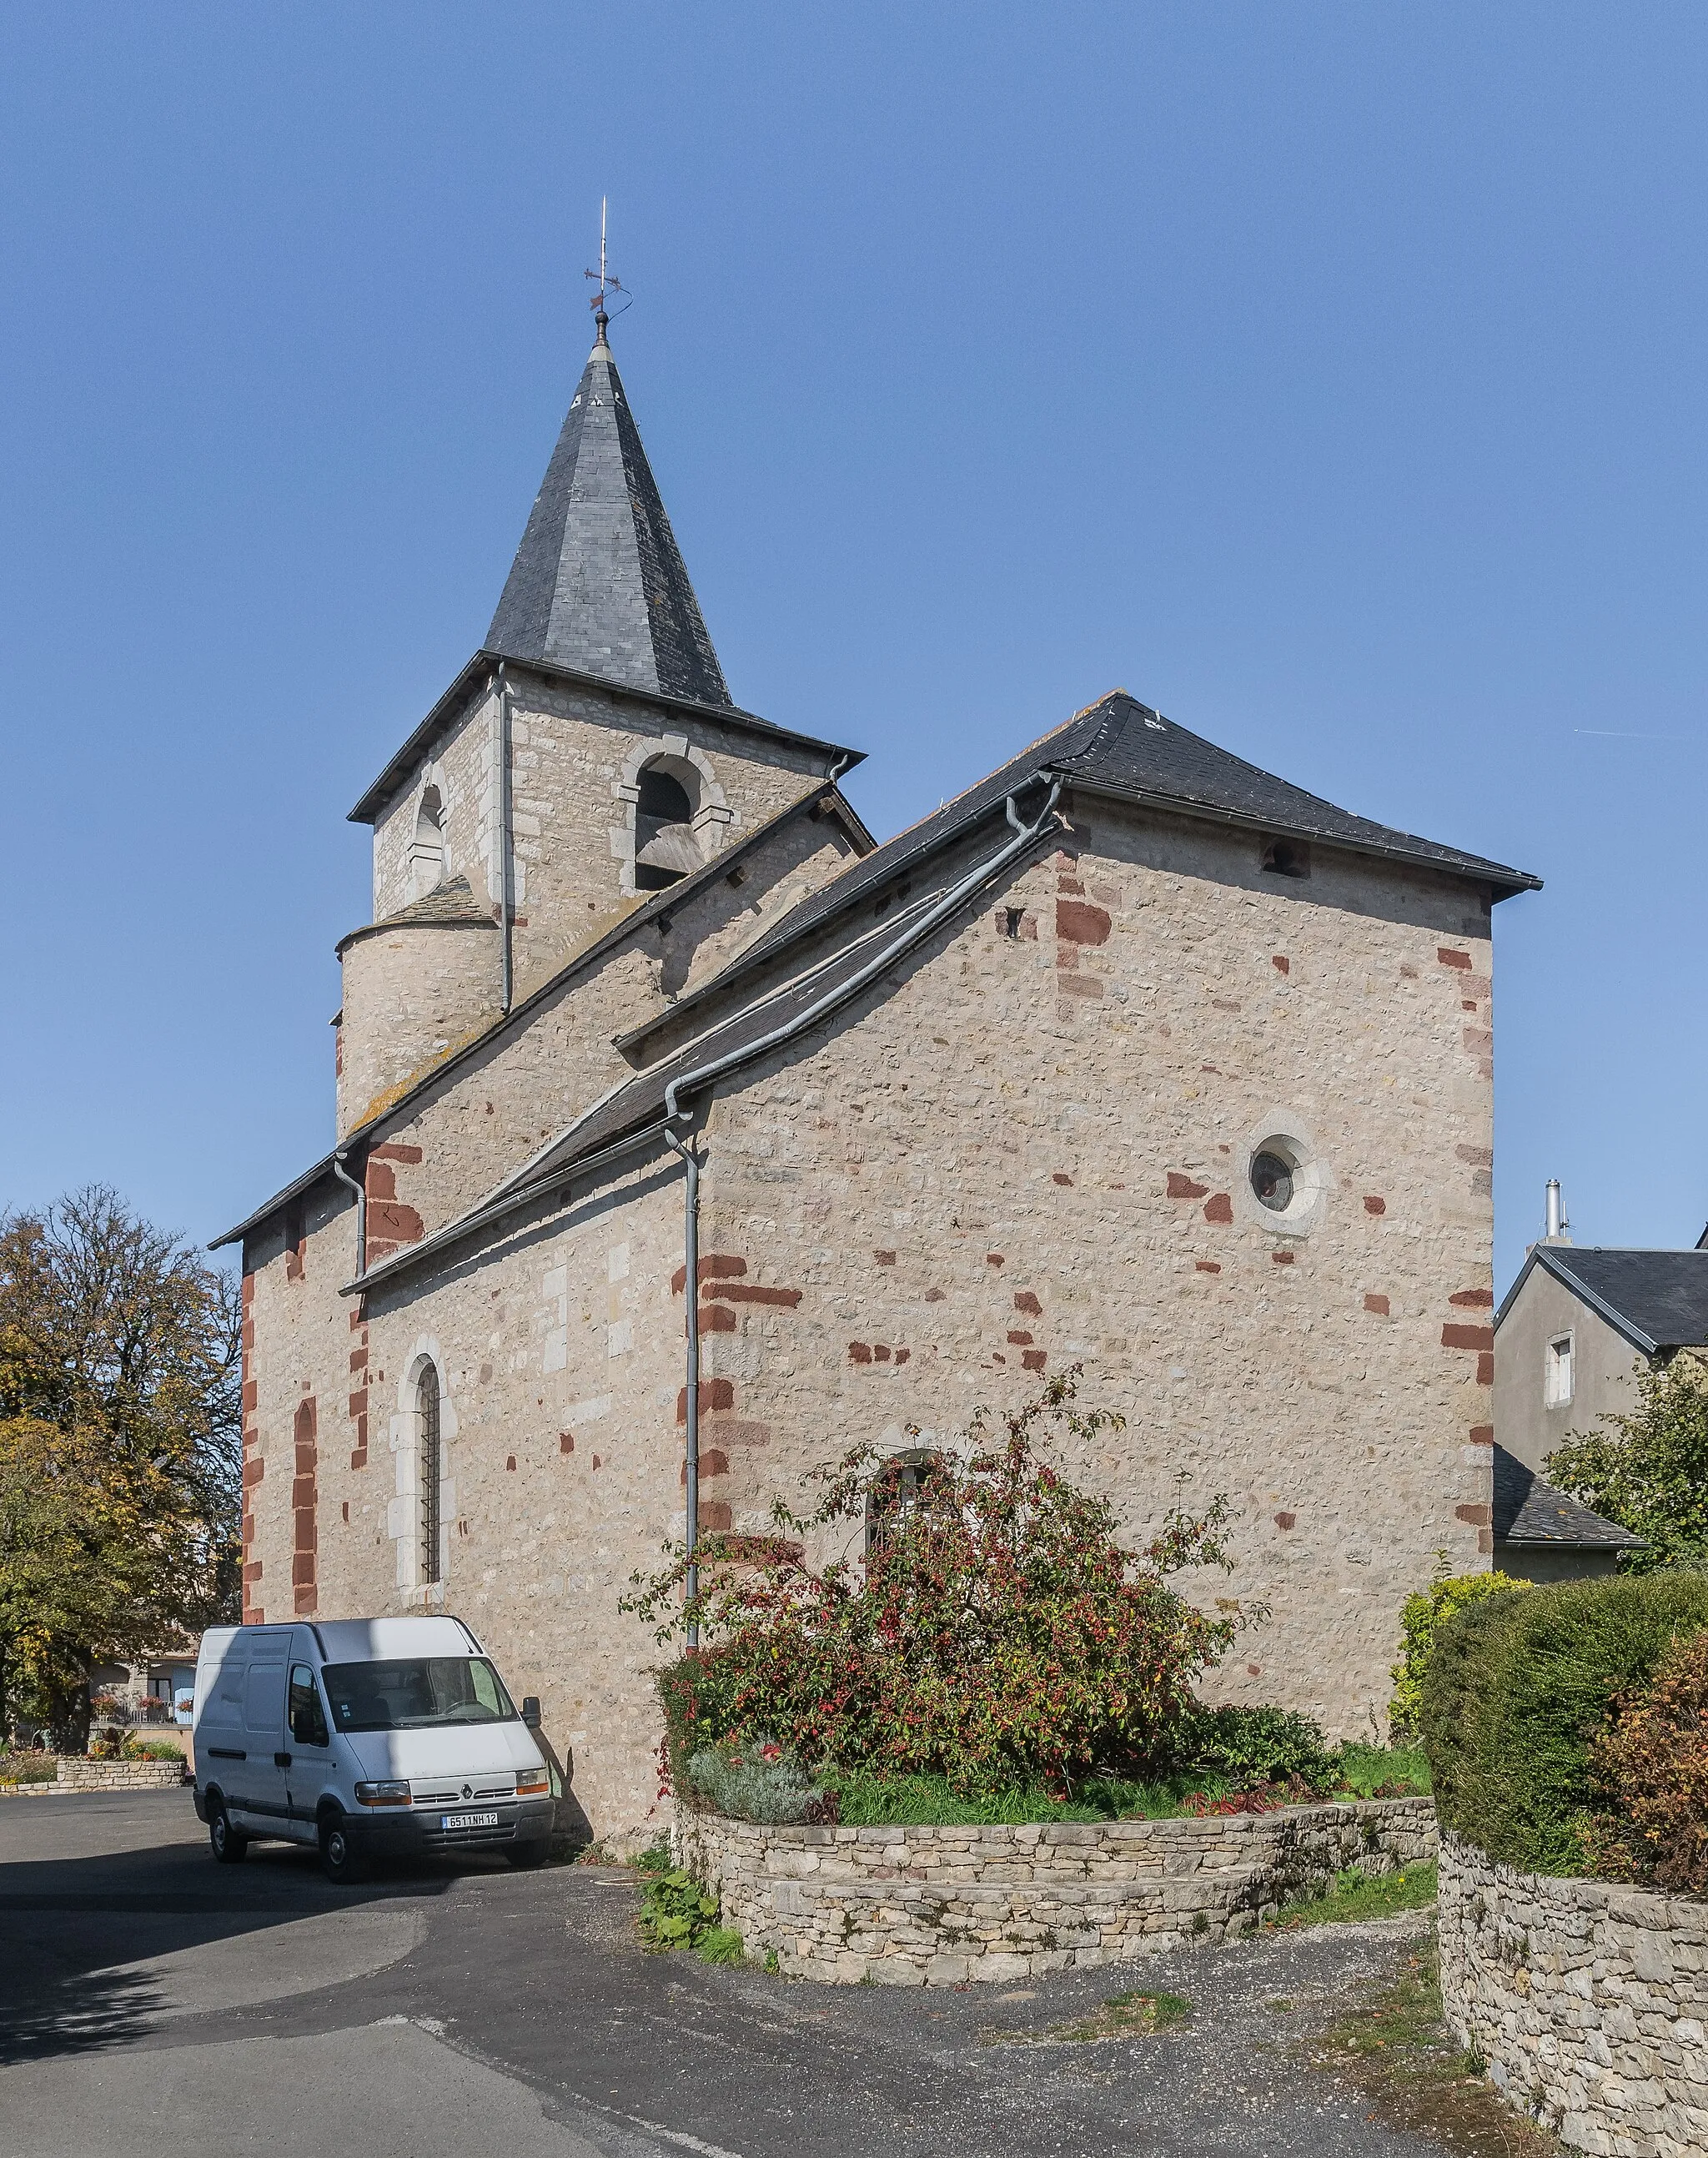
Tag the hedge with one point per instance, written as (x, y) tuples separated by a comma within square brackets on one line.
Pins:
[(1517, 1691)]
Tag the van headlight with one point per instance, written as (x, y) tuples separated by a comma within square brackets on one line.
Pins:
[(393, 1793), (531, 1783)]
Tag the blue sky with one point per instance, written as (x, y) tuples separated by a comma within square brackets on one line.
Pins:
[(1328, 376)]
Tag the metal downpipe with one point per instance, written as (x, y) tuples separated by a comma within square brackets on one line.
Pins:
[(506, 909), (690, 1290), (343, 1176)]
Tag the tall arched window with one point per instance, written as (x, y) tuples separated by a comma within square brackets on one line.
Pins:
[(666, 849), (431, 1466), (427, 856), (897, 1493)]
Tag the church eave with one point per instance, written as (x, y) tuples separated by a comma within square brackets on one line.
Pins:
[(450, 708)]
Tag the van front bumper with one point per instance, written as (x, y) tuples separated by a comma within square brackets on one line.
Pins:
[(421, 1833)]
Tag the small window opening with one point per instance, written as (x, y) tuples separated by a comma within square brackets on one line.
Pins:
[(427, 1401), (1272, 1181), (897, 1492), (1557, 1373), (296, 1242), (426, 855), (1287, 858), (666, 849), (1012, 917)]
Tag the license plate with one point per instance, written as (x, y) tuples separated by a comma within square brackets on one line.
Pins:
[(468, 1821)]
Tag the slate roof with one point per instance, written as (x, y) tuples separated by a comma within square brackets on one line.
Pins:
[(1657, 1300), (826, 799), (1530, 1512), (452, 901), (1121, 747), (598, 583)]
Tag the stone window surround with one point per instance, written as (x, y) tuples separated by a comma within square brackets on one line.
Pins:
[(684, 761), (1284, 1131), (402, 1514)]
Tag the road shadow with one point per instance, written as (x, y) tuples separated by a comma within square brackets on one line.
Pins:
[(68, 1923)]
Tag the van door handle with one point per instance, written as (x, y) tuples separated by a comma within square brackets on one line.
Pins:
[(281, 1760)]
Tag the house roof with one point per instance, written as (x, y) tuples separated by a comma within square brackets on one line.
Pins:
[(826, 799), (1530, 1512), (1657, 1300), (598, 582), (1118, 746)]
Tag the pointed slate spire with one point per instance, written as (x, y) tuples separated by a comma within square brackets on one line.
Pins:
[(598, 584)]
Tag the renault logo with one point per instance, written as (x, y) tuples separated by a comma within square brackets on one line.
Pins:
[(468, 1790)]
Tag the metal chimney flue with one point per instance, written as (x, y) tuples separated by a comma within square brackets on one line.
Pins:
[(1555, 1213)]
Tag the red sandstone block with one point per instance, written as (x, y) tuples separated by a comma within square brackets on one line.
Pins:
[(1081, 985), (1482, 1434), (1183, 1187), (1219, 1207), (712, 1463), (306, 1601), (1281, 1258), (712, 1268), (1064, 882), (751, 1292), (566, 1439), (394, 1150), (1281, 962), (1479, 1041), (252, 1571), (1476, 1157), (253, 1472), (714, 1517), (1026, 1301), (714, 1394), (509, 1462), (302, 1569), (994, 1259), (358, 1402), (1473, 1299), (1078, 922), (1473, 1517), (358, 1358), (715, 1319), (247, 1291), (250, 1399), (1449, 957), (1061, 1176), (880, 1352), (1207, 1266), (1372, 1205), (1285, 1521), (1035, 1360), (1378, 1304), (1485, 1370), (382, 1180), (1468, 1337), (902, 1355), (1018, 1339), (358, 1459), (859, 1352), (885, 1258), (302, 1491)]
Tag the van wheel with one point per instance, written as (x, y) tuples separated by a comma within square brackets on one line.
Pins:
[(339, 1861), (227, 1844), (527, 1855)]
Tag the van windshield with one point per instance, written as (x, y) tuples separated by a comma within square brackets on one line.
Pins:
[(414, 1693)]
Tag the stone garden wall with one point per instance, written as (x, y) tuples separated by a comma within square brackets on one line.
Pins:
[(943, 1905), (1587, 1999)]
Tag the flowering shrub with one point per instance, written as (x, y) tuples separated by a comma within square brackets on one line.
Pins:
[(1651, 1770), (997, 1629), (1256, 1747)]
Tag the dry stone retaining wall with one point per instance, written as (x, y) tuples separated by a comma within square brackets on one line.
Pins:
[(908, 1906), (78, 1775), (1587, 1999)]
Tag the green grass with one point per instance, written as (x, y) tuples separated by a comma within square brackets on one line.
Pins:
[(29, 1768), (867, 1801), (1356, 1895), (1368, 1772), (1122, 2016)]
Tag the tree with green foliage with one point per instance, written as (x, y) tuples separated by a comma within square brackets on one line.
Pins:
[(120, 1450), (1647, 1469), (987, 1623), (1420, 1614)]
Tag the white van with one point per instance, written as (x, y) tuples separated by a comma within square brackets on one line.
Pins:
[(365, 1736)]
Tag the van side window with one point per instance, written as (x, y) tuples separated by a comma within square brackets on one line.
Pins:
[(486, 1689), (308, 1716)]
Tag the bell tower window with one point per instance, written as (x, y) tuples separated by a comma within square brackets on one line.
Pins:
[(666, 847), (427, 1399), (426, 854)]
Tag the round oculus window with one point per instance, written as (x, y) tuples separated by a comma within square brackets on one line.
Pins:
[(1272, 1181)]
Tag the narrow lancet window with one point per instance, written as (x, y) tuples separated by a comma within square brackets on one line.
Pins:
[(427, 1396), (427, 856)]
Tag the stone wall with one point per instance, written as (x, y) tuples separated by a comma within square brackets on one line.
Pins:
[(1588, 2001), (82, 1775), (946, 1906)]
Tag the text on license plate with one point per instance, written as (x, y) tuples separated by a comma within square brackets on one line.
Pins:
[(468, 1821)]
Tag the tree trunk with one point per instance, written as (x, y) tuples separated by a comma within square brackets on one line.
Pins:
[(69, 1715)]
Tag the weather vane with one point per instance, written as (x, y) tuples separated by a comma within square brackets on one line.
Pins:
[(608, 281)]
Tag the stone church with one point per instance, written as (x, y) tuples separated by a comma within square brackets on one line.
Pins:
[(1132, 1057)]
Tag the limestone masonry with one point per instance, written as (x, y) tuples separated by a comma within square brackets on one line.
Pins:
[(951, 1906), (1132, 1057), (1587, 2000)]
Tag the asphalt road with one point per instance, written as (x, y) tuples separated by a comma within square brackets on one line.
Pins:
[(152, 1999)]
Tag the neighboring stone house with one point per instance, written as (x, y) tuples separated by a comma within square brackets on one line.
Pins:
[(1570, 1335), (1132, 1057)]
